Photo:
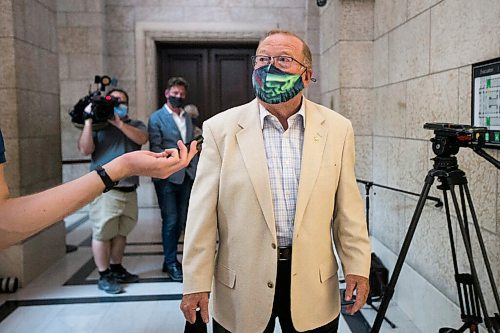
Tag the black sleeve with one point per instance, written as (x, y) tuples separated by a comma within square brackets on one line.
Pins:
[(2, 149)]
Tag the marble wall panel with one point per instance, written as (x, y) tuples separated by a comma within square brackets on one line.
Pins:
[(48, 68), (463, 32), (18, 12), (390, 110), (85, 66), (387, 210), (121, 67), (364, 152), (482, 177), (7, 65), (432, 98), (120, 43), (381, 61), (120, 18), (356, 64), (416, 7), (69, 139), (27, 74), (76, 40), (429, 252), (70, 5), (39, 22), (330, 71), (8, 111), (63, 66), (381, 164), (86, 20), (331, 100), (409, 49), (329, 28), (98, 5), (279, 3), (6, 19), (73, 90), (360, 12), (409, 160), (464, 94), (35, 155), (388, 14), (357, 106)]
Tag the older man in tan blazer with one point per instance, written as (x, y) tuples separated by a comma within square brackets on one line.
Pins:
[(275, 191)]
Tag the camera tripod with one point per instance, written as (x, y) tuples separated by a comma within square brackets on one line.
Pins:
[(470, 295)]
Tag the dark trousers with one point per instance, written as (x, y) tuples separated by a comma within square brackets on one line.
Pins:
[(173, 200), (281, 306)]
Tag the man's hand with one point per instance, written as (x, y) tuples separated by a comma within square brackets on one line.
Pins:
[(362, 287), (116, 121), (147, 163), (191, 302)]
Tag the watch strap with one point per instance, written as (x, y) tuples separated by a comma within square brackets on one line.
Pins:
[(108, 183)]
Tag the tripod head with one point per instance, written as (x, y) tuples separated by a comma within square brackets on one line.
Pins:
[(450, 137)]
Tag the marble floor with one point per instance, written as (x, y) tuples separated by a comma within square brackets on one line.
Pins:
[(65, 297)]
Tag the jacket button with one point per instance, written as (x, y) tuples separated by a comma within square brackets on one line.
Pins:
[(273, 246), (270, 284)]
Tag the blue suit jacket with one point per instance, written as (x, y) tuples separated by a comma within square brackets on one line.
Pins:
[(163, 134)]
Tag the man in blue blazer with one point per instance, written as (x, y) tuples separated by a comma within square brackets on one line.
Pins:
[(166, 126)]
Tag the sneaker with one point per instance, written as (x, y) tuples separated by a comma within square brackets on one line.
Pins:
[(109, 284), (123, 276)]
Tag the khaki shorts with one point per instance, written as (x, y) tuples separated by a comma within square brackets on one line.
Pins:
[(113, 213)]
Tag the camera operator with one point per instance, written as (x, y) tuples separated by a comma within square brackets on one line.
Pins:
[(113, 214)]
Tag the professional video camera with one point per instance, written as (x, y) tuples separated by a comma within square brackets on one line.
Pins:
[(102, 107)]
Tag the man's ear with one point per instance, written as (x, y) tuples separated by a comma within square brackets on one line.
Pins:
[(166, 92), (307, 76)]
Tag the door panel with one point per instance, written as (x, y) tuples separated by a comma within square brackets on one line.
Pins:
[(219, 75), (233, 85)]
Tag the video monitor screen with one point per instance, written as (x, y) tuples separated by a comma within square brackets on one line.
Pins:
[(486, 100)]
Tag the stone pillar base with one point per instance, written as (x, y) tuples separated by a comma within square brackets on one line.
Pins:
[(34, 255)]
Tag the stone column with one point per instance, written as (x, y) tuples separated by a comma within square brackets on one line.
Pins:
[(82, 48), (30, 123), (346, 54)]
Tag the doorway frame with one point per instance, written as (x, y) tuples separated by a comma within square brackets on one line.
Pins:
[(148, 33)]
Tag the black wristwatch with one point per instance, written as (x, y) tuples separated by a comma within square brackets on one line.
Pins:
[(108, 183)]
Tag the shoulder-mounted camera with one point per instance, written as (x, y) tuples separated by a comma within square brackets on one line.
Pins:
[(102, 107)]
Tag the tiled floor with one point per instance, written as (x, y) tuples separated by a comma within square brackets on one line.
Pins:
[(66, 299)]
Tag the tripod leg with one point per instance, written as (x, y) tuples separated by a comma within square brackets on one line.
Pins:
[(468, 249), (429, 179), (462, 304), (385, 318), (483, 248)]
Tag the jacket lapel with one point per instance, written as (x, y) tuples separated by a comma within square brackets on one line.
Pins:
[(251, 144), (169, 122), (314, 144)]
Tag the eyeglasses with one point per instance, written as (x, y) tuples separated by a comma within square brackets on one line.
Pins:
[(282, 61)]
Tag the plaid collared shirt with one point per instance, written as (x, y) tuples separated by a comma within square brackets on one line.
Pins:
[(284, 155)]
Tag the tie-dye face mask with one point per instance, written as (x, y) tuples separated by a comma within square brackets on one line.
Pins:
[(273, 86)]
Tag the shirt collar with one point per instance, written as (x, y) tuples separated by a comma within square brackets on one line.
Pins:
[(170, 111), (263, 113)]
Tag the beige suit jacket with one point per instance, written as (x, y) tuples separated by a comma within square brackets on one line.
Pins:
[(231, 202)]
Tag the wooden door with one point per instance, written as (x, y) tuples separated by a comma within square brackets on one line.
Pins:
[(219, 75)]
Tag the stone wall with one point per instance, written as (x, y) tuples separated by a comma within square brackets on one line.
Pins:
[(416, 57), (30, 123), (29, 94)]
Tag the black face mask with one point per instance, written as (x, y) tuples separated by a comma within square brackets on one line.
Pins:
[(177, 102)]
